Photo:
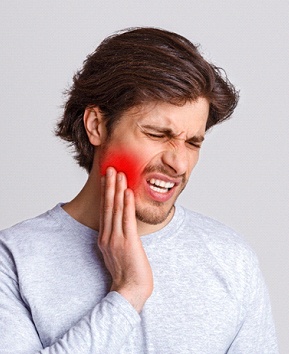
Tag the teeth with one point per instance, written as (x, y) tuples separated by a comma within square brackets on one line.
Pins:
[(159, 183), (159, 190)]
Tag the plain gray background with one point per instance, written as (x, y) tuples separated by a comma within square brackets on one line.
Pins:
[(242, 176)]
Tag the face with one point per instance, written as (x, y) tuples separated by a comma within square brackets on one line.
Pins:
[(156, 146)]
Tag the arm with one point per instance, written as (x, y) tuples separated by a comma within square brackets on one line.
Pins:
[(257, 332), (103, 330)]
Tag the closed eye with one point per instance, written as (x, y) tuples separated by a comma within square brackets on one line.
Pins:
[(194, 144), (164, 135), (157, 136)]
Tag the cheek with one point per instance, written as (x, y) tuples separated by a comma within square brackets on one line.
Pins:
[(123, 162)]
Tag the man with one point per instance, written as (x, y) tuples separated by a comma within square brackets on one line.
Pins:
[(120, 268)]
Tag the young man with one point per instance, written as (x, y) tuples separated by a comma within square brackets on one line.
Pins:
[(120, 268)]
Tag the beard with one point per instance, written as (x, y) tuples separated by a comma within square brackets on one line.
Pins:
[(148, 216)]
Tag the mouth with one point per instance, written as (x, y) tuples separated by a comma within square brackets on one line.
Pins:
[(160, 186)]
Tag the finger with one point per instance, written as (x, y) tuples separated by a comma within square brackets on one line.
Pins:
[(129, 219), (106, 211), (121, 185)]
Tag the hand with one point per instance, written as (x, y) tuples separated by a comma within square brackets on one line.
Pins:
[(119, 242)]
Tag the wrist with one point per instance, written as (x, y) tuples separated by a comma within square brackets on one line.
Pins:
[(136, 298)]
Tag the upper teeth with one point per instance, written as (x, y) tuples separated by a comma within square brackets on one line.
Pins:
[(160, 183)]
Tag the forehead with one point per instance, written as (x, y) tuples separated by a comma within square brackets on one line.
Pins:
[(190, 116)]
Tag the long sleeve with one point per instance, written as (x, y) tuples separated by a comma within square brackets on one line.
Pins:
[(257, 332), (104, 329)]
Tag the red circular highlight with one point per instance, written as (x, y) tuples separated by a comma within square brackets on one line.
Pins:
[(123, 162)]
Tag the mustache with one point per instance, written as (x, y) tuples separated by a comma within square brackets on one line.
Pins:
[(163, 170)]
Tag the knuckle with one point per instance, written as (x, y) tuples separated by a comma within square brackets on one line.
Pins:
[(101, 244), (103, 240)]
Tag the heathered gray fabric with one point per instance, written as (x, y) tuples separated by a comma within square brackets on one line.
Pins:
[(209, 296)]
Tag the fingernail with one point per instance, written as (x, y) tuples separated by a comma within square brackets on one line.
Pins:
[(119, 177), (109, 172)]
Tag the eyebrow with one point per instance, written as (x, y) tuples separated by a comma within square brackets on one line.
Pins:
[(169, 132)]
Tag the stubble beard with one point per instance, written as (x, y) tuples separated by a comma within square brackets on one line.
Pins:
[(157, 212), (149, 216)]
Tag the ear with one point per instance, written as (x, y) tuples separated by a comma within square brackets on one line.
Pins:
[(94, 125)]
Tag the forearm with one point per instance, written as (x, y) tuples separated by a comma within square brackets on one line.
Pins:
[(103, 330)]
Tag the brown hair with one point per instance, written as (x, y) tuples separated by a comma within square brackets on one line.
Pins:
[(136, 66)]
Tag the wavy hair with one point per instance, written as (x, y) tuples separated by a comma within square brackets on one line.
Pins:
[(136, 66)]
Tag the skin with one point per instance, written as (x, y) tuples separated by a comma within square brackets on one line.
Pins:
[(159, 141)]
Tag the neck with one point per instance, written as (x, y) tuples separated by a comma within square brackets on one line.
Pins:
[(85, 207)]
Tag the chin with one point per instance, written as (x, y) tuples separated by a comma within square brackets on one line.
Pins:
[(153, 215)]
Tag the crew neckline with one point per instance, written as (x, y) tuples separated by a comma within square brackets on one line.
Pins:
[(169, 229), (69, 223), (83, 231)]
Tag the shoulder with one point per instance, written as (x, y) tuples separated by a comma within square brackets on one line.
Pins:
[(220, 243), (15, 244), (225, 252), (27, 227), (216, 235), (33, 243), (52, 233), (29, 234)]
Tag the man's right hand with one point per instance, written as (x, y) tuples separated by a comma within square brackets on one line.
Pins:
[(120, 243)]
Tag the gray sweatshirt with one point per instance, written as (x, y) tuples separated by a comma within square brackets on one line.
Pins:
[(209, 296)]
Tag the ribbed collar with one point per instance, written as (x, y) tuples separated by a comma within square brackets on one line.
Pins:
[(69, 223)]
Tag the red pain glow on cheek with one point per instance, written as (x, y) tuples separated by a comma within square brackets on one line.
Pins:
[(124, 162)]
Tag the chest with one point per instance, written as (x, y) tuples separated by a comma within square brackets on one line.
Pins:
[(192, 308)]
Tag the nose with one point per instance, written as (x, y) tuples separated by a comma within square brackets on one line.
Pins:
[(175, 157)]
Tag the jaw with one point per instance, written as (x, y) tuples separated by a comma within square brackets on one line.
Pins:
[(153, 209), (151, 219)]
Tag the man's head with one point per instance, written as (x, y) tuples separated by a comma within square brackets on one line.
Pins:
[(156, 146), (137, 67)]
